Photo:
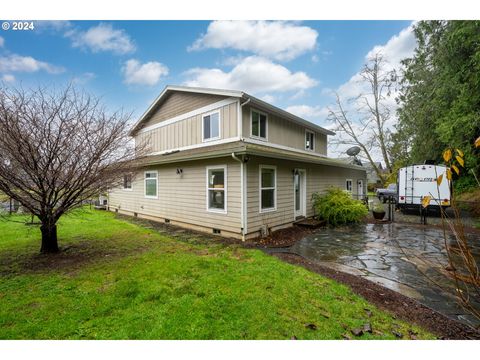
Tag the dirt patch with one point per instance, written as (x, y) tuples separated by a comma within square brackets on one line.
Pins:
[(402, 307), (69, 259)]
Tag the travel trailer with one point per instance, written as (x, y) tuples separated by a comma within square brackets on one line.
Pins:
[(417, 181)]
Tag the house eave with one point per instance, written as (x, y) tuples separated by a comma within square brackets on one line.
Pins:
[(240, 147)]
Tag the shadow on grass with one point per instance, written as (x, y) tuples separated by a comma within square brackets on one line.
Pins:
[(71, 257)]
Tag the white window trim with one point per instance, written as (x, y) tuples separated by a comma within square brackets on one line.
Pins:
[(266, 125), (219, 126), (314, 139), (225, 187), (351, 185), (145, 184), (269, 188), (131, 183)]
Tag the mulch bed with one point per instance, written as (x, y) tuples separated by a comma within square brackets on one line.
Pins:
[(284, 237), (402, 307)]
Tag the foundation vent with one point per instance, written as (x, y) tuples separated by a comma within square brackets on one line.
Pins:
[(167, 221), (216, 231), (264, 231)]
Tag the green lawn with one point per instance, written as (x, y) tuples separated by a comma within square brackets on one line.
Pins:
[(119, 280)]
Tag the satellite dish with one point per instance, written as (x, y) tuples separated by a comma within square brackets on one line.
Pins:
[(353, 151)]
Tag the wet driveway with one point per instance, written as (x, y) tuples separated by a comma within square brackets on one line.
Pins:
[(408, 259)]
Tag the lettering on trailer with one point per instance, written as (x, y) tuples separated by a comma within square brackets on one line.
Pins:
[(418, 179)]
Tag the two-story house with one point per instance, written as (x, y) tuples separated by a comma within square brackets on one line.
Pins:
[(227, 163)]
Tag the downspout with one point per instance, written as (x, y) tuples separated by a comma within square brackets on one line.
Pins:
[(242, 193)]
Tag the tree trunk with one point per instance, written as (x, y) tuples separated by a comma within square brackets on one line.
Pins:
[(49, 238)]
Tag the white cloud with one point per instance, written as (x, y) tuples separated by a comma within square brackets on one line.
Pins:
[(253, 74), (308, 112), (9, 78), (397, 48), (84, 78), (2, 41), (18, 63), (102, 37), (143, 74), (268, 98), (278, 40)]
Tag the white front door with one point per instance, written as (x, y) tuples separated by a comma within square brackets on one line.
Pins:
[(300, 192), (360, 189)]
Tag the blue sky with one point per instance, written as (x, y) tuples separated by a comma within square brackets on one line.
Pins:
[(294, 65)]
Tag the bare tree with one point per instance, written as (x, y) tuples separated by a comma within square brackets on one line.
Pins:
[(368, 129), (57, 149)]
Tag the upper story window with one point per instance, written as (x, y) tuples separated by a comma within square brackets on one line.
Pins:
[(309, 140), (151, 184), (127, 182), (211, 126), (216, 189), (258, 124)]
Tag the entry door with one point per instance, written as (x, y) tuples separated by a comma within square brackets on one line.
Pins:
[(360, 189), (300, 193)]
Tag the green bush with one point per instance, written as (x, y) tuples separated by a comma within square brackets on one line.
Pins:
[(337, 207), (465, 184)]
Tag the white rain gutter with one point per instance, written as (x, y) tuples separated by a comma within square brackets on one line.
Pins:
[(242, 195)]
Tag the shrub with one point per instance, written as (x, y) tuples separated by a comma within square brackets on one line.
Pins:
[(337, 207), (465, 184)]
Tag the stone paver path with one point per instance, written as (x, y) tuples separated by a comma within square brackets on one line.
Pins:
[(408, 259)]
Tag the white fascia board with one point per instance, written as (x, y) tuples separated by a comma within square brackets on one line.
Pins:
[(204, 109), (229, 93)]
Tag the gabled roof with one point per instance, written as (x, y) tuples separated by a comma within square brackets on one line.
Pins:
[(228, 93)]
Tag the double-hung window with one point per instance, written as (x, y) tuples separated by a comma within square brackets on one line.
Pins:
[(268, 188), (309, 140), (127, 182), (348, 185), (259, 124), (151, 184), (211, 126), (217, 189)]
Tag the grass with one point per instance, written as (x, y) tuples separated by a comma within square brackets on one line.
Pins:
[(119, 280)]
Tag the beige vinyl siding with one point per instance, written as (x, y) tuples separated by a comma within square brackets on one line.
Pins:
[(178, 103), (318, 177), (284, 132), (183, 198), (189, 131)]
